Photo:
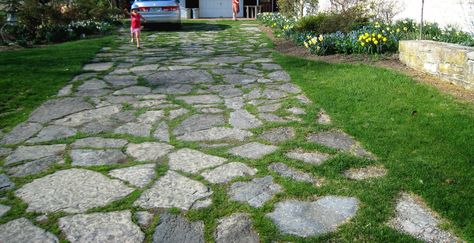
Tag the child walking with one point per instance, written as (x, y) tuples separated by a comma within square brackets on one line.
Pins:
[(135, 26)]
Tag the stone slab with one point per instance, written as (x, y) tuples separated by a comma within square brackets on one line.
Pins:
[(199, 122), (217, 134), (278, 134), (242, 119), (288, 172), (253, 150), (99, 143), (236, 228), (25, 153), (149, 151), (227, 172), (315, 158), (192, 161), (91, 157), (255, 192), (175, 228), (138, 176), (21, 133), (58, 108), (22, 230)]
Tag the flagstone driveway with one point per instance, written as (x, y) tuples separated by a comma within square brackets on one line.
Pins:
[(184, 124)]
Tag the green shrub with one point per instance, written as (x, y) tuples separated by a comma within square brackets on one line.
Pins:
[(325, 23)]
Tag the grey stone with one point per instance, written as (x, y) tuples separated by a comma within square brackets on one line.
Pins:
[(133, 90), (151, 117), (24, 153), (254, 94), (173, 190), (125, 116), (21, 133), (239, 78), (71, 191), (152, 97), (303, 99), (227, 172), (89, 157), (297, 111), (144, 218), (148, 151), (255, 192), (22, 230), (84, 117), (222, 71), (200, 99), (149, 104), (173, 228), (180, 76), (121, 80), (202, 203), (177, 113), (138, 176), (279, 76), (269, 108), (231, 92), (144, 68), (278, 134), (315, 158), (174, 89), (135, 129), (271, 117), (413, 217), (35, 166), (262, 60), (65, 91), (236, 228), (5, 151), (271, 66), (323, 118), (192, 161), (242, 119), (339, 140), (216, 134), (101, 227), (199, 122), (54, 109), (273, 94), (306, 219), (290, 88), (285, 171), (211, 110), (83, 76), (53, 132), (162, 132), (4, 209), (234, 103), (5, 183), (92, 85), (253, 150), (98, 67), (229, 59), (99, 143), (42, 219), (98, 126), (365, 173)]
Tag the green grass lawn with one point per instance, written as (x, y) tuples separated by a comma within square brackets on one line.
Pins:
[(424, 138), (31, 76)]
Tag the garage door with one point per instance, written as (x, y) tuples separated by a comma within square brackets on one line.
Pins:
[(217, 8)]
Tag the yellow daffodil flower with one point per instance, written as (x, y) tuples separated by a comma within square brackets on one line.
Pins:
[(384, 39), (376, 42)]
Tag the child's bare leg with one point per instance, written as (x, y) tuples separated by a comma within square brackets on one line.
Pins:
[(138, 39)]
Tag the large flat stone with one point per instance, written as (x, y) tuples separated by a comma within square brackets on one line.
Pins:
[(92, 157), (216, 134), (162, 132), (54, 109), (306, 219), (192, 161), (315, 158), (24, 153), (133, 90), (21, 133), (149, 151), (121, 80), (138, 176), (92, 85), (22, 230), (253, 150), (4, 209), (413, 217), (227, 172), (339, 140), (236, 228), (53, 132), (365, 172), (191, 76), (151, 117), (35, 166), (279, 76), (255, 192), (97, 67), (84, 117), (201, 99), (239, 78), (175, 228), (135, 129), (5, 183), (173, 191), (71, 191), (242, 119), (199, 122), (278, 134), (174, 89), (99, 143), (101, 227), (288, 172)]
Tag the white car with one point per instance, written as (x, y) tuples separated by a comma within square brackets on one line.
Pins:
[(159, 11)]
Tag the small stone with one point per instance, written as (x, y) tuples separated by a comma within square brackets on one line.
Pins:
[(192, 161), (135, 129), (307, 219), (216, 134), (279, 76), (42, 219), (177, 113), (273, 94), (324, 118), (173, 191), (98, 67), (138, 176), (255, 192), (144, 68), (271, 117), (99, 143), (71, 191), (133, 90), (236, 228), (290, 88), (144, 218), (234, 103), (84, 117), (239, 78), (242, 119), (54, 109), (278, 135), (89, 157), (154, 104), (175, 228), (21, 133), (24, 153), (5, 151), (202, 204), (199, 122), (297, 111), (151, 117), (101, 227), (303, 99), (65, 91), (413, 217), (92, 85), (285, 171), (339, 140), (365, 173), (121, 80), (22, 230), (149, 151), (5, 183), (193, 76), (227, 172), (98, 126), (162, 133), (35, 166), (4, 209), (315, 158), (176, 89), (253, 150), (53, 132), (269, 108), (200, 99)]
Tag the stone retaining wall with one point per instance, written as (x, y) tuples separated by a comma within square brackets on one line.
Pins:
[(453, 63)]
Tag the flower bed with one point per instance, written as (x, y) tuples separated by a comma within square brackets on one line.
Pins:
[(373, 38)]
